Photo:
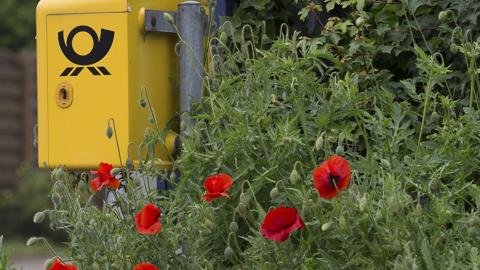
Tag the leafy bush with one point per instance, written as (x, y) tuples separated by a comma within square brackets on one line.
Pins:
[(18, 205), (4, 265), (399, 102)]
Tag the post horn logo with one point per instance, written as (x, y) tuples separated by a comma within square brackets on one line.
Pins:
[(101, 47)]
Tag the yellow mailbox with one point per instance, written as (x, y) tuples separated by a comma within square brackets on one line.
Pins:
[(94, 59)]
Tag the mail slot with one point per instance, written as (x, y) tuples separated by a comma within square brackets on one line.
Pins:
[(95, 62)]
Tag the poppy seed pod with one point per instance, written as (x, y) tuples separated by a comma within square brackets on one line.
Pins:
[(234, 227), (228, 252), (169, 18), (294, 177), (274, 193), (109, 132), (39, 217)]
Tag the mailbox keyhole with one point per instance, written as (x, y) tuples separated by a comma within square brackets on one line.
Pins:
[(64, 95)]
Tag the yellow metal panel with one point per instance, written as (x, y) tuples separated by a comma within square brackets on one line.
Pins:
[(81, 6), (77, 98), (77, 133), (157, 71)]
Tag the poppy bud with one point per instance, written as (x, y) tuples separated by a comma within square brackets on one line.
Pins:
[(49, 262), (234, 227), (56, 200), (418, 211), (294, 177), (326, 226), (265, 39), (274, 193), (385, 163), (129, 163), (242, 209), (342, 222), (173, 176), (183, 125), (169, 18), (109, 132), (363, 203), (95, 266), (359, 21), (454, 48), (143, 103), (244, 198), (82, 186), (228, 252), (340, 151), (443, 16), (473, 221), (115, 171), (33, 241), (223, 37), (39, 217), (397, 245), (473, 232), (57, 173), (319, 142), (79, 226), (435, 117)]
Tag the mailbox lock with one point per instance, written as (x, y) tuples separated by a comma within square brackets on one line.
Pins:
[(64, 95)]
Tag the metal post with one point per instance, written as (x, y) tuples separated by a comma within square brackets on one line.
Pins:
[(191, 31)]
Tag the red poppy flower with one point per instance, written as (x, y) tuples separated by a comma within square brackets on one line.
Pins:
[(217, 186), (147, 222), (58, 265), (145, 266), (331, 177), (280, 222), (104, 178)]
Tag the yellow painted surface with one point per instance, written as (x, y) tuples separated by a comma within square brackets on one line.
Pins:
[(74, 135)]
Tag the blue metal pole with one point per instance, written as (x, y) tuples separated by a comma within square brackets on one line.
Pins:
[(224, 8)]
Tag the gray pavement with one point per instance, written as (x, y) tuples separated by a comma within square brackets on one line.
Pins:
[(29, 263)]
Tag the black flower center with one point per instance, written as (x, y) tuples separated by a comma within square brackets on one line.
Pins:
[(333, 180)]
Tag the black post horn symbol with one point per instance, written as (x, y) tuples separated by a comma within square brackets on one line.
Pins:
[(101, 46)]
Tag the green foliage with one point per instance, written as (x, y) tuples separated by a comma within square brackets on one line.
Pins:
[(392, 86), (17, 206), (4, 265), (17, 24)]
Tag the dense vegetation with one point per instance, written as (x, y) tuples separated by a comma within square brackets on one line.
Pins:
[(392, 86)]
